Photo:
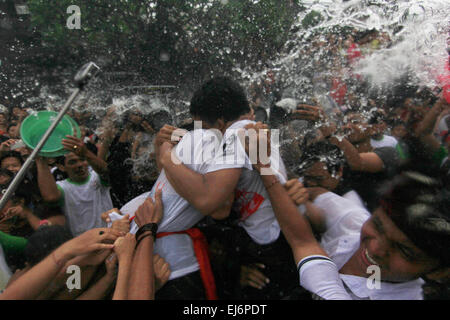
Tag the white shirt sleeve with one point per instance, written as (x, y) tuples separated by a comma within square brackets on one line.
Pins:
[(336, 208), (319, 275)]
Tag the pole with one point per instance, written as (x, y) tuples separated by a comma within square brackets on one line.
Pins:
[(86, 72)]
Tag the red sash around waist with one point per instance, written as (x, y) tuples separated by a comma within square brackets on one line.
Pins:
[(201, 253)]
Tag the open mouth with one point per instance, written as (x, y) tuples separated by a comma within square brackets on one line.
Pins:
[(368, 258)]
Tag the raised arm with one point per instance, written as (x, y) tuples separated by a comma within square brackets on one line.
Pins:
[(367, 161), (124, 248), (77, 146), (142, 280), (46, 181), (295, 227)]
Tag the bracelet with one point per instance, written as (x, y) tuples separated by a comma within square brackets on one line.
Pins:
[(145, 236), (153, 227)]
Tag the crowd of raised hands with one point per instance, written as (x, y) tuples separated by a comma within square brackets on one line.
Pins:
[(131, 270)]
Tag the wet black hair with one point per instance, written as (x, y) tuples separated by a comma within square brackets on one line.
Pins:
[(219, 98), (12, 154), (278, 117), (158, 119), (376, 117), (419, 206), (43, 241), (260, 114), (322, 151)]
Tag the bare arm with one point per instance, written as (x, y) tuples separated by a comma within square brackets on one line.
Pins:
[(142, 286), (426, 126), (142, 281), (46, 181), (33, 282), (295, 228), (124, 248), (367, 161), (206, 192)]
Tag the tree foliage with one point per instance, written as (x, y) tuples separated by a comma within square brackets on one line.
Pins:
[(197, 37)]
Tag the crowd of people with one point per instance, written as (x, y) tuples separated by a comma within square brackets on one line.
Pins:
[(361, 188)]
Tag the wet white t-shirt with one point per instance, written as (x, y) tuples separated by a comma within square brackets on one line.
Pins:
[(251, 199), (386, 141), (196, 150), (85, 202)]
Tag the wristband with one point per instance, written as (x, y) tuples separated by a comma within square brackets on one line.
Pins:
[(145, 236), (153, 227)]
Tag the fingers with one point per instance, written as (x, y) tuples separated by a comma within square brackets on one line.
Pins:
[(296, 191), (291, 183), (300, 197), (109, 234), (256, 279), (158, 205), (162, 271), (160, 265), (101, 246), (165, 134), (105, 215)]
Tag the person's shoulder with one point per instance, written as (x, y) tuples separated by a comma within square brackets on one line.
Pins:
[(391, 140), (385, 152)]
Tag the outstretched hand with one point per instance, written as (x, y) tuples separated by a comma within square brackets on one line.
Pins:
[(307, 112), (89, 241)]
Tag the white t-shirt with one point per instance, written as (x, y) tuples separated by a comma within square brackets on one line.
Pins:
[(252, 200), (85, 202), (344, 219), (386, 141), (5, 272), (196, 150)]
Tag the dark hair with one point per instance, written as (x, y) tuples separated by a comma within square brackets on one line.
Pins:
[(219, 98), (11, 125), (43, 241), (278, 117), (12, 154), (322, 151), (158, 119), (376, 117), (419, 207), (6, 172), (260, 114)]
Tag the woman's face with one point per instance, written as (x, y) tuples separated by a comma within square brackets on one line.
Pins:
[(383, 244)]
